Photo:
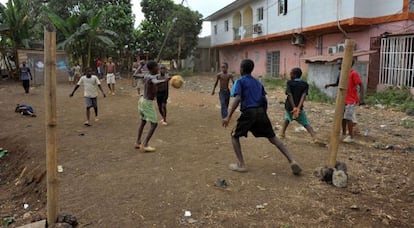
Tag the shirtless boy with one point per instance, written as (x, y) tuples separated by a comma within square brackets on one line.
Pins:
[(224, 77), (110, 70), (146, 107)]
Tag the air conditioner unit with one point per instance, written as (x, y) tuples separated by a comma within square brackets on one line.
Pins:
[(340, 47), (257, 29), (332, 50), (298, 39)]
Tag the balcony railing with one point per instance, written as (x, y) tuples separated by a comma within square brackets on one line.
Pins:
[(243, 32)]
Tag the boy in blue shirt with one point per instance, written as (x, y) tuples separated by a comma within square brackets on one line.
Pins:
[(296, 91), (250, 94)]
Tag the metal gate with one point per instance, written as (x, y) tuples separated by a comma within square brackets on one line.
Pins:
[(397, 60), (273, 63)]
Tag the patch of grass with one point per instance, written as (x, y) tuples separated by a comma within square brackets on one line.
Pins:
[(186, 73), (393, 97), (285, 225), (315, 94), (407, 124), (273, 83)]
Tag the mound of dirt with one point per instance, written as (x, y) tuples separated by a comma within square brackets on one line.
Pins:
[(23, 184)]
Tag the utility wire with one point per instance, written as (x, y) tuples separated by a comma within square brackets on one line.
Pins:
[(167, 35)]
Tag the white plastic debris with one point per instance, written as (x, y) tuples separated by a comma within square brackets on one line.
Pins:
[(60, 169), (187, 213), (300, 129), (260, 207), (25, 206)]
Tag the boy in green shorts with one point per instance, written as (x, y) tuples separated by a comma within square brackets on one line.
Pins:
[(296, 91), (146, 106)]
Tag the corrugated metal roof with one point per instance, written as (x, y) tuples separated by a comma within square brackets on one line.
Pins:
[(336, 56)]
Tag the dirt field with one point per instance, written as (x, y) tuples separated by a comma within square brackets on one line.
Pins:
[(107, 183)]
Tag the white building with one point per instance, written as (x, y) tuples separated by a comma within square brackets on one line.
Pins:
[(281, 34)]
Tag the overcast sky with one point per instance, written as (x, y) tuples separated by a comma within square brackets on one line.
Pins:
[(205, 7)]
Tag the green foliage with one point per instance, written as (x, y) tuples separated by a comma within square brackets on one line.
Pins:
[(285, 225), (273, 83), (164, 19), (82, 31), (78, 24), (315, 94), (186, 72), (7, 221), (407, 123), (16, 24), (393, 97), (119, 18)]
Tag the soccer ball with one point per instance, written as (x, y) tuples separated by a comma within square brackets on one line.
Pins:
[(177, 81)]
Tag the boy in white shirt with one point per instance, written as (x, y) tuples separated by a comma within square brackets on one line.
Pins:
[(90, 83)]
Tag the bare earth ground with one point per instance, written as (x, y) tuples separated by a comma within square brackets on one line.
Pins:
[(107, 183)]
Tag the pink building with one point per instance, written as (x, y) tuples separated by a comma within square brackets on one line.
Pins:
[(281, 34)]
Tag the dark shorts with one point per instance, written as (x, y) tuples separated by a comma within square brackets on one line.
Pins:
[(91, 102), (256, 121), (162, 97)]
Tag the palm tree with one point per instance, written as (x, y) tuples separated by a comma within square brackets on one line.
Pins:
[(82, 35), (16, 23)]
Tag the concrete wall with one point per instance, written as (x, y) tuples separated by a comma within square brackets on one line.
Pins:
[(35, 60), (290, 56), (327, 73), (301, 14), (377, 8), (222, 36)]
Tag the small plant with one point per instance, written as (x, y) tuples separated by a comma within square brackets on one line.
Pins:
[(285, 225), (7, 221), (186, 72), (315, 94), (273, 83), (394, 97), (407, 123)]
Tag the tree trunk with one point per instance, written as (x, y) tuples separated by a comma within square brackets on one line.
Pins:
[(180, 40), (89, 53)]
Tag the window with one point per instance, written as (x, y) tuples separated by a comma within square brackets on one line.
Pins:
[(226, 25), (215, 29), (260, 14), (283, 7), (273, 63)]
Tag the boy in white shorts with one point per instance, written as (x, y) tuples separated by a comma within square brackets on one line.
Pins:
[(110, 70)]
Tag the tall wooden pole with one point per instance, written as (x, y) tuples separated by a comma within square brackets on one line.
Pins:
[(340, 102), (51, 123)]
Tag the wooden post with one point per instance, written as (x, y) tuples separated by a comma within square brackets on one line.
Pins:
[(340, 102), (51, 123)]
